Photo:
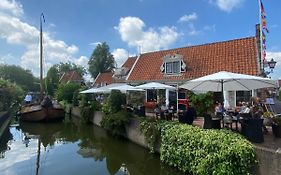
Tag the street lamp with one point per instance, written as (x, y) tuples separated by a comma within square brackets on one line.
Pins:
[(271, 64)]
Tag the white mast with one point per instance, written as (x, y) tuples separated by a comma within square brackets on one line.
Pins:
[(41, 57), (261, 40)]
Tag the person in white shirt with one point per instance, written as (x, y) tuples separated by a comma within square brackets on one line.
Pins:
[(28, 99), (245, 108)]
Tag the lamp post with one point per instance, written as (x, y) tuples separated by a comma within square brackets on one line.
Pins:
[(271, 64)]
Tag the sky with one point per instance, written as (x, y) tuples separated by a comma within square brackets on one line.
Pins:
[(73, 28)]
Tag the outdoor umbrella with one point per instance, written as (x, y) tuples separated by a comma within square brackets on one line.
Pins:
[(155, 85), (103, 89), (228, 81), (89, 91), (125, 87)]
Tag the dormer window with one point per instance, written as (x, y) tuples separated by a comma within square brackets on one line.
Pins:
[(173, 64), (173, 67)]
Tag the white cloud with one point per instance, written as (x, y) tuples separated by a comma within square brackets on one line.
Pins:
[(227, 5), (17, 32), (82, 61), (187, 18), (192, 31), (133, 33), (94, 44), (6, 58), (11, 6), (211, 28), (120, 56)]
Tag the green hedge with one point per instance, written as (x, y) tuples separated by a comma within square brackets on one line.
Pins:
[(116, 123), (198, 151)]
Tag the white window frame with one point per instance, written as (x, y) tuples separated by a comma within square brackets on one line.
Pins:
[(173, 67)]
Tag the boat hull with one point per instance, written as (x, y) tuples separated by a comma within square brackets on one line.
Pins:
[(37, 113)]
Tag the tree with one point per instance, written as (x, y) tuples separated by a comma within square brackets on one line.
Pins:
[(20, 76), (52, 80), (10, 95), (66, 91), (101, 60), (69, 66)]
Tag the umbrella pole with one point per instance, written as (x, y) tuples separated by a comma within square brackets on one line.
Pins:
[(222, 96)]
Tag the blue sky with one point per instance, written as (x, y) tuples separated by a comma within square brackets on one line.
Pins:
[(74, 27)]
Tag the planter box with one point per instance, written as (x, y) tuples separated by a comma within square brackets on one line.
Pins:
[(252, 129), (276, 129)]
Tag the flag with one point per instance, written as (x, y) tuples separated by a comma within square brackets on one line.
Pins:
[(263, 38), (264, 54), (262, 10), (263, 16)]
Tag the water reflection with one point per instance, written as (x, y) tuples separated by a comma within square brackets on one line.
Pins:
[(73, 148)]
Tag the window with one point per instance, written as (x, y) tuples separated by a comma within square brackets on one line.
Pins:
[(173, 67), (173, 64), (243, 96)]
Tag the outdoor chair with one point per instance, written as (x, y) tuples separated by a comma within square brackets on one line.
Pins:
[(207, 121), (187, 116), (252, 129), (211, 123), (227, 121)]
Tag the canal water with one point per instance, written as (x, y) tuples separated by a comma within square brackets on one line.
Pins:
[(68, 148)]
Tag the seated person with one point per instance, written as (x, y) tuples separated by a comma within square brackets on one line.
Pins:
[(237, 109), (245, 111), (245, 108), (218, 108), (157, 110), (28, 98), (163, 107)]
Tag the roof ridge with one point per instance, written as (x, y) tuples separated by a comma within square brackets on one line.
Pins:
[(205, 44)]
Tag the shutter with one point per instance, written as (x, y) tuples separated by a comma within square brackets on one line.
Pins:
[(162, 68), (183, 66)]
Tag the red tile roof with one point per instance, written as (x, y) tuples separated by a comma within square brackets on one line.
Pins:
[(103, 78), (279, 83), (129, 62), (107, 77), (71, 76), (239, 56)]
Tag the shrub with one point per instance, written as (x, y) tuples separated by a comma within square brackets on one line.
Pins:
[(115, 123), (203, 102), (199, 151), (11, 95), (115, 101), (65, 91), (277, 120), (88, 110), (151, 130), (75, 100)]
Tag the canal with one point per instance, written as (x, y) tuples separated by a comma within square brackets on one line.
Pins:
[(71, 148)]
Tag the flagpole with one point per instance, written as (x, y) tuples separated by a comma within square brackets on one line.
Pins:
[(261, 47)]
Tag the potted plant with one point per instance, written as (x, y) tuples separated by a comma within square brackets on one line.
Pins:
[(276, 125), (267, 118), (204, 106)]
